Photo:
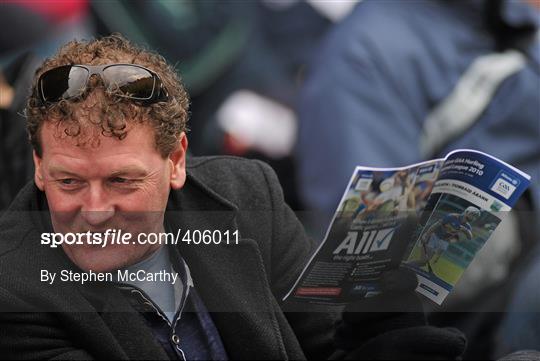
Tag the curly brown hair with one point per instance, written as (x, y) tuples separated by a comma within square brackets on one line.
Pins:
[(102, 112)]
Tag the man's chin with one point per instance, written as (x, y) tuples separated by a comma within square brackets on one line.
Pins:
[(98, 259)]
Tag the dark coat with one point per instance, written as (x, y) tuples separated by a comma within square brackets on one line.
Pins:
[(240, 284)]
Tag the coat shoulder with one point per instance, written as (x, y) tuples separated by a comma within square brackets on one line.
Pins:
[(16, 223), (247, 183)]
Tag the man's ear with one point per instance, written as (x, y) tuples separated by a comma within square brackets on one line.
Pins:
[(177, 160), (38, 173)]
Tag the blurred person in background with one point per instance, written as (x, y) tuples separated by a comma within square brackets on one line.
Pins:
[(398, 82), (520, 328), (242, 62), (31, 30)]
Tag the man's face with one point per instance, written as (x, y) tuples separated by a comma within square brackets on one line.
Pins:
[(119, 184)]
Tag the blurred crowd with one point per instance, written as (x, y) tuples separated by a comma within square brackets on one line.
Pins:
[(317, 87)]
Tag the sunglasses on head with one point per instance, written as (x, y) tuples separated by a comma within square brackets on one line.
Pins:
[(70, 81)]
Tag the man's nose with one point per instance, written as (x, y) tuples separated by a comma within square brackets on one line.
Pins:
[(97, 208)]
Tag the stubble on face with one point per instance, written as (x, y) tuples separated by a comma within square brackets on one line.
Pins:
[(105, 184)]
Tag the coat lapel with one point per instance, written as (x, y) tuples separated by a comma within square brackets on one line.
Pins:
[(95, 314), (230, 279), (131, 333)]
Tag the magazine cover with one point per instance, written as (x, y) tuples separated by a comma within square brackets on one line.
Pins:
[(459, 200), (472, 195)]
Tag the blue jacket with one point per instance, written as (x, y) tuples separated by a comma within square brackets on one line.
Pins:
[(381, 72)]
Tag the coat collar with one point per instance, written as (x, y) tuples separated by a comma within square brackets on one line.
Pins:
[(230, 278)]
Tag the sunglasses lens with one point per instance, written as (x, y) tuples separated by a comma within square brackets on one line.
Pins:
[(134, 82), (63, 82)]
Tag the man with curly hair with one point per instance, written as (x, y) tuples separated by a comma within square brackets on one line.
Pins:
[(107, 122)]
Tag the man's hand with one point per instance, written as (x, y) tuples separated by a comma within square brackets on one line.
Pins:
[(392, 325)]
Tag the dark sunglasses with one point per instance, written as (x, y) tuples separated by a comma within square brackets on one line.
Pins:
[(70, 81)]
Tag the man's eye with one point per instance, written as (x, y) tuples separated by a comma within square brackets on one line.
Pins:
[(122, 181), (69, 183)]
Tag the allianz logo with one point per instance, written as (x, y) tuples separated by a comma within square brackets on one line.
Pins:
[(362, 242)]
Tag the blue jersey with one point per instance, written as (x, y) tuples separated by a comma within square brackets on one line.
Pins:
[(451, 225)]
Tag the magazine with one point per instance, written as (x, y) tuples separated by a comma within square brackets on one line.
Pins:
[(457, 202)]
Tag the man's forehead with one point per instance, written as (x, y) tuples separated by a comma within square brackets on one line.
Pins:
[(59, 166), (90, 138)]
